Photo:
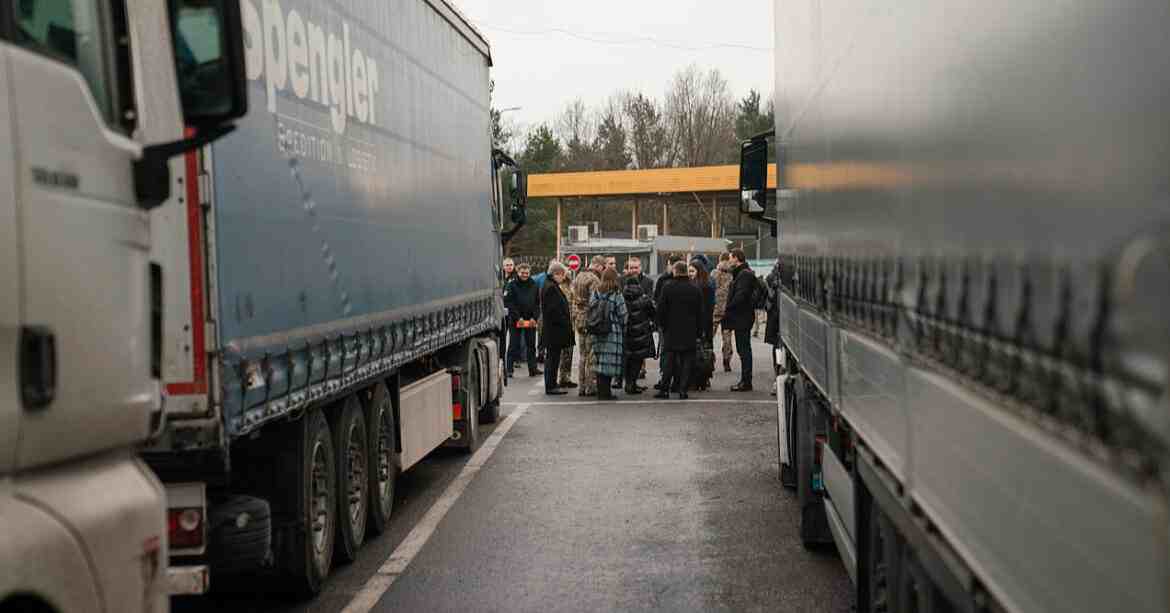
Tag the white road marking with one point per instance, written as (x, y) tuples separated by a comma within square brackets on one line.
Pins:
[(647, 401), (400, 558)]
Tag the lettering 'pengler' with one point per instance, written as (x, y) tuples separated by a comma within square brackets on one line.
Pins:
[(288, 50)]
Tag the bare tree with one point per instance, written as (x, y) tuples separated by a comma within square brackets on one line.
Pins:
[(613, 151), (577, 130), (700, 112), (649, 136)]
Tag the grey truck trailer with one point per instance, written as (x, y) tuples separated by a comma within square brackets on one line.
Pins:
[(973, 217), (331, 299)]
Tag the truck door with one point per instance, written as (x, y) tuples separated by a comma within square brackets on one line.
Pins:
[(84, 242), (9, 283)]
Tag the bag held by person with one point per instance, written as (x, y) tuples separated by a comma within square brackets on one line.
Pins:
[(705, 359), (597, 320)]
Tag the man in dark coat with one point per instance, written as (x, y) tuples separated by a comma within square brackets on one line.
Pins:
[(772, 308), (741, 315), (557, 328), (680, 317), (666, 275), (634, 269), (522, 300), (639, 337)]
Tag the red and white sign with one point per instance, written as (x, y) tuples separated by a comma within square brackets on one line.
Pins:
[(574, 262)]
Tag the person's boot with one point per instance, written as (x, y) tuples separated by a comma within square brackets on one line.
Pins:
[(535, 372), (633, 390), (726, 364), (662, 395), (605, 388), (567, 384), (742, 386)]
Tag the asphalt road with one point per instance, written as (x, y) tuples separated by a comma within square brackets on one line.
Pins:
[(587, 506)]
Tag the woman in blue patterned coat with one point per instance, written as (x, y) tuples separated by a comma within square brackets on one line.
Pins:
[(608, 349)]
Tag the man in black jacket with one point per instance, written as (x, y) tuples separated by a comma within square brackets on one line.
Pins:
[(680, 317), (634, 269), (523, 302), (666, 276), (639, 332), (741, 315)]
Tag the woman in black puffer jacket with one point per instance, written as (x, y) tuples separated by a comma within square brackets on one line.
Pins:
[(639, 333)]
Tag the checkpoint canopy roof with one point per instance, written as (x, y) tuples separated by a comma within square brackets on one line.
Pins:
[(701, 179)]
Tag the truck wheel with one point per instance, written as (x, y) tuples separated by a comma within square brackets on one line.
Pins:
[(814, 527), (490, 412), (240, 537), (311, 557), (383, 473), (883, 560), (351, 443), (471, 411), (787, 467)]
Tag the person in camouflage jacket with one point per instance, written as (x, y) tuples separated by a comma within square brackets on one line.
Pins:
[(566, 366), (583, 287), (723, 278)]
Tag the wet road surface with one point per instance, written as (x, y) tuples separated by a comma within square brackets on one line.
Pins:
[(635, 505)]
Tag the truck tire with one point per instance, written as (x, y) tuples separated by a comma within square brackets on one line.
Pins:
[(310, 555), (786, 461), (384, 469), (471, 411), (351, 444), (814, 525), (883, 562), (489, 413), (239, 534)]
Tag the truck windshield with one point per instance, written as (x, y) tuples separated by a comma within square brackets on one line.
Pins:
[(69, 31)]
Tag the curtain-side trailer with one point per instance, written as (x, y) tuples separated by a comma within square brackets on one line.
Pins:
[(972, 218), (331, 276)]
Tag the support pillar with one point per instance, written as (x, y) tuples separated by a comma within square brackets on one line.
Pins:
[(714, 217), (560, 203), (634, 221), (665, 219)]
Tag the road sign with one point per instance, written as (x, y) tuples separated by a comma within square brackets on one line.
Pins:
[(574, 262)]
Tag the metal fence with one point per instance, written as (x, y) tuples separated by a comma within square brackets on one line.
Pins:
[(539, 263)]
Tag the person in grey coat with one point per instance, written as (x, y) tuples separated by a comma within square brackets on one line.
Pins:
[(609, 349)]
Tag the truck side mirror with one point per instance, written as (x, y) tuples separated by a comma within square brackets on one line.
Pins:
[(208, 37), (519, 189), (753, 176)]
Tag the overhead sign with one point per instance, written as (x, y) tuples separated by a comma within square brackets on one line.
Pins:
[(574, 262)]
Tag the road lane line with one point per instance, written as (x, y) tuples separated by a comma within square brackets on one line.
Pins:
[(648, 401), (366, 598)]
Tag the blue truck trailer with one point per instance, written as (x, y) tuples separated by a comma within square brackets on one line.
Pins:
[(972, 219), (332, 307)]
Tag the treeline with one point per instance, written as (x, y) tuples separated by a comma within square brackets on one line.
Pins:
[(697, 122)]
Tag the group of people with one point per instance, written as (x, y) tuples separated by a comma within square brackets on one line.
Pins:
[(610, 319)]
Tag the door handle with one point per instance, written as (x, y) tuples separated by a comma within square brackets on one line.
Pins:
[(38, 367)]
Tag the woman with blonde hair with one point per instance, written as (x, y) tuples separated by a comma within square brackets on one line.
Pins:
[(609, 348)]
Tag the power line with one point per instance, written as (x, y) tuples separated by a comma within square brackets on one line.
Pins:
[(601, 39)]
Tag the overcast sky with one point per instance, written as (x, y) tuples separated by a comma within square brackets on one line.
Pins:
[(540, 67)]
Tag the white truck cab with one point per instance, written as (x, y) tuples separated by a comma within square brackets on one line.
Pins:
[(94, 100)]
